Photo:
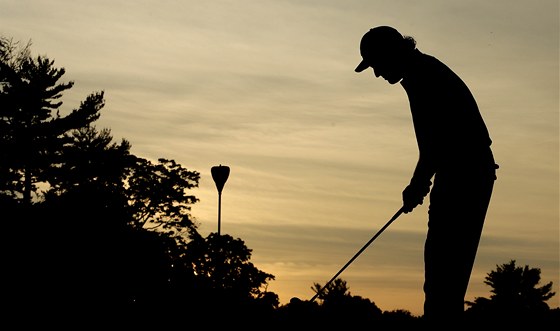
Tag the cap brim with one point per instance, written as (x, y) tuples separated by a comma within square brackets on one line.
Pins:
[(362, 66)]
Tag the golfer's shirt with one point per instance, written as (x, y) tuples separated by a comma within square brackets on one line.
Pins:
[(449, 128)]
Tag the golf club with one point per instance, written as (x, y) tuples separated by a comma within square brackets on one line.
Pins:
[(397, 214)]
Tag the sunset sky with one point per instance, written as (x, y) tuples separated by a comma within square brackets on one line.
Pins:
[(319, 154)]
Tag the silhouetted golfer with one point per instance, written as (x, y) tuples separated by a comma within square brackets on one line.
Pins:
[(454, 150)]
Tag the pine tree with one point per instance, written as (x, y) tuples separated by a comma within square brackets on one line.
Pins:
[(33, 132)]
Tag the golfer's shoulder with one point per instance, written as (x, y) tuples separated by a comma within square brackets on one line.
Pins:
[(430, 63)]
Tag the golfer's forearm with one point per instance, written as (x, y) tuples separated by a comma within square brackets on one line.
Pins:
[(423, 173)]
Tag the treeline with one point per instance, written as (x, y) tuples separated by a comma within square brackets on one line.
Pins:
[(92, 231), (93, 235)]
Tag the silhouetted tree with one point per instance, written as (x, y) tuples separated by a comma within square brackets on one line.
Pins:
[(516, 297), (400, 319), (339, 307), (91, 159), (33, 131), (11, 57), (108, 196), (223, 263), (158, 196), (80, 248), (224, 281)]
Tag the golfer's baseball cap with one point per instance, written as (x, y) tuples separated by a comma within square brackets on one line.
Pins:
[(375, 43)]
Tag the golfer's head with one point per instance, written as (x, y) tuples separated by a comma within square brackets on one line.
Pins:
[(383, 48)]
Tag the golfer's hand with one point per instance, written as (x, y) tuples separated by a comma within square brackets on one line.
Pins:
[(413, 195)]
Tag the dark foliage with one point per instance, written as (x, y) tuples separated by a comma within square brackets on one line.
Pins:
[(516, 298), (95, 234)]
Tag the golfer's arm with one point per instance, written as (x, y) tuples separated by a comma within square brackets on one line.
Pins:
[(424, 171)]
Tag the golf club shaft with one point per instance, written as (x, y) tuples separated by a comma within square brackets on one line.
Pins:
[(397, 214)]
